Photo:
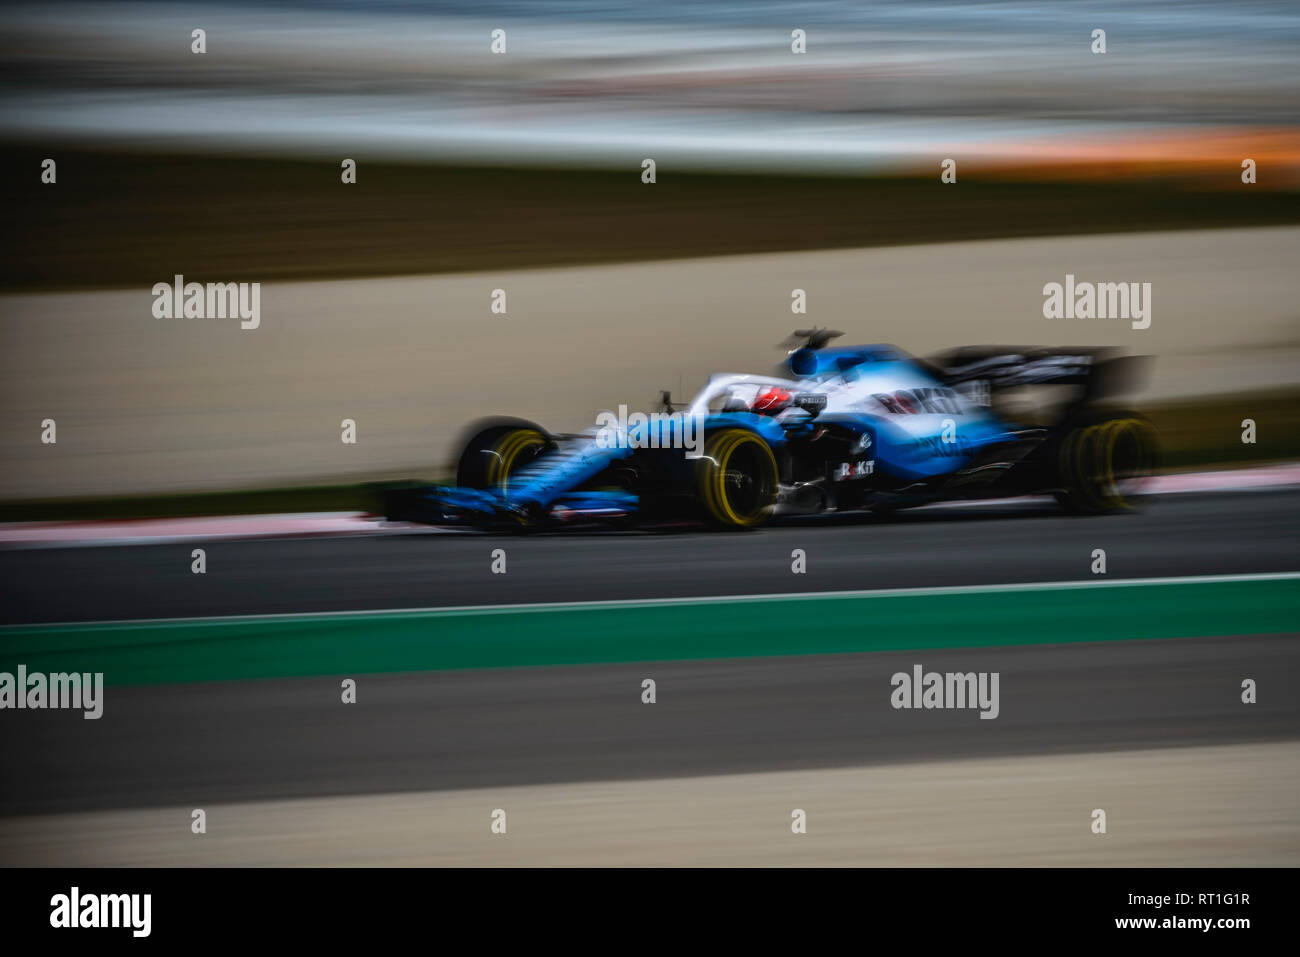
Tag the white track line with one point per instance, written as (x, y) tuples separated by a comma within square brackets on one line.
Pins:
[(614, 603)]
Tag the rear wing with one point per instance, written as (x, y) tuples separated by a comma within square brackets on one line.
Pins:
[(1099, 372)]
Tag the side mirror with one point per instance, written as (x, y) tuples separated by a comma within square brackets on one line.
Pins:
[(811, 402)]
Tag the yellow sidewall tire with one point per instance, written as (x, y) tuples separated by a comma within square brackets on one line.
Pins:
[(1143, 435), (719, 452), (508, 451), (1087, 462)]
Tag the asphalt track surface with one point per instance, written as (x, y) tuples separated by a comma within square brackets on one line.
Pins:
[(191, 745), (1178, 535), (230, 741)]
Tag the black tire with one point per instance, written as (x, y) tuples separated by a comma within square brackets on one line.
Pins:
[(491, 455), (737, 479), (1105, 462)]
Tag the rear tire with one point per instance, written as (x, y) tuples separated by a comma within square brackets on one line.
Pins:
[(738, 479), (1105, 462)]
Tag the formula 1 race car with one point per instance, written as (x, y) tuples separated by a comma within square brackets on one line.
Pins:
[(843, 428)]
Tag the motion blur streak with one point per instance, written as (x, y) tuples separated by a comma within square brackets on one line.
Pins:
[(1005, 812), (884, 86)]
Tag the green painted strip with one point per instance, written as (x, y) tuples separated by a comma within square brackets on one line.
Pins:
[(287, 646)]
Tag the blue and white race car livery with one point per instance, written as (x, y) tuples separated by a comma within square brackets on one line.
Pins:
[(844, 428)]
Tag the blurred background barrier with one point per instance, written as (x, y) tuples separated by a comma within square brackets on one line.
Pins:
[(148, 406), (135, 218)]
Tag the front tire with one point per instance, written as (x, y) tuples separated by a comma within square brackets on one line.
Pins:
[(738, 479), (492, 455)]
